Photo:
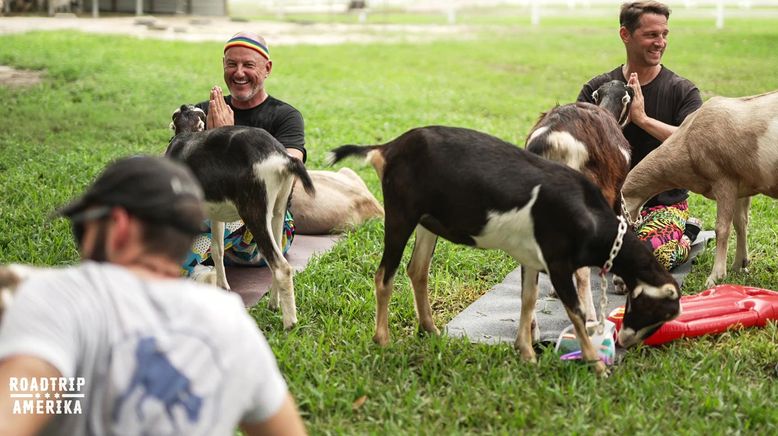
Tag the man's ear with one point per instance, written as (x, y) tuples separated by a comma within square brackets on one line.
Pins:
[(121, 231), (624, 34)]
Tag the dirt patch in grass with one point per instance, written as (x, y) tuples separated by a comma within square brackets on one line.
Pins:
[(13, 78)]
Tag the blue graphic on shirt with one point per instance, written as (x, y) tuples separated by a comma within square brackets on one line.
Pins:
[(157, 378)]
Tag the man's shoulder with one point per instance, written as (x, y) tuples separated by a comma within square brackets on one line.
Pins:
[(614, 74), (280, 106), (674, 80)]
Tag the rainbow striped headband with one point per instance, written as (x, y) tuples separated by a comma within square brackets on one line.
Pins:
[(244, 41)]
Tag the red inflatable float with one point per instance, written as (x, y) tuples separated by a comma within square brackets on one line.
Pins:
[(715, 310)]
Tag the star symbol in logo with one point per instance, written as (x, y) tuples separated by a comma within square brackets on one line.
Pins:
[(46, 395), (56, 395), (37, 395)]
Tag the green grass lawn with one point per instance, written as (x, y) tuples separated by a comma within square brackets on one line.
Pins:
[(108, 96)]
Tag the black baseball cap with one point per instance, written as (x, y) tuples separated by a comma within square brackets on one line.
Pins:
[(155, 189)]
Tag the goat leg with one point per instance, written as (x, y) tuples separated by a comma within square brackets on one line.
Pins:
[(383, 293), (529, 297), (567, 294), (725, 209), (741, 233), (217, 252), (418, 271), (398, 229), (584, 288)]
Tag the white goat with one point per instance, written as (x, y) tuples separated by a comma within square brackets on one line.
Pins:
[(727, 151)]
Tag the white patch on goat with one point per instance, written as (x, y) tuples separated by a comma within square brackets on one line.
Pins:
[(538, 132), (767, 152), (570, 150), (224, 211), (514, 232), (626, 154), (624, 106), (272, 166), (664, 292)]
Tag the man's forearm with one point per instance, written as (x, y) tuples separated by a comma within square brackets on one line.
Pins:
[(656, 128), (21, 367)]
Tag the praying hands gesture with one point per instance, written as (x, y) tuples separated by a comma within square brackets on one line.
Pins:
[(638, 117), (219, 114)]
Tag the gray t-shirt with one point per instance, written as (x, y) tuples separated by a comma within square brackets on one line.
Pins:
[(156, 357)]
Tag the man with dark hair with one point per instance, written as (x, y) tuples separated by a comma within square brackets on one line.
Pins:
[(662, 101), (120, 344), (247, 64)]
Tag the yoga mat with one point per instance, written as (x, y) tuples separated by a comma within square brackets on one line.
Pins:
[(253, 282), (494, 317)]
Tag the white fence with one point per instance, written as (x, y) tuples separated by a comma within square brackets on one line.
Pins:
[(718, 10)]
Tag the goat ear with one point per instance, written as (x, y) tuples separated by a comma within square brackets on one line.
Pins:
[(595, 96), (176, 114)]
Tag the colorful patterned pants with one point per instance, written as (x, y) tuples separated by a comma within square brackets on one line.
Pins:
[(239, 245), (662, 229)]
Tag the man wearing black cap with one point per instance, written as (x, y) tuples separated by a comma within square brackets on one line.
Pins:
[(121, 343)]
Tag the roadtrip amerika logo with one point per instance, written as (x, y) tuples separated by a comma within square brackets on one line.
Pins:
[(46, 395)]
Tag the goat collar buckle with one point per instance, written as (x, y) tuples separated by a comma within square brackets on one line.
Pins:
[(617, 242)]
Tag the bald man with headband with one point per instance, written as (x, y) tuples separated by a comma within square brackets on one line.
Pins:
[(247, 64)]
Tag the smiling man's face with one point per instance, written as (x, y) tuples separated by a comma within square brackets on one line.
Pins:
[(245, 72)]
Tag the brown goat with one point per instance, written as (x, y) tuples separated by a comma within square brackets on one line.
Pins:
[(588, 139), (727, 151)]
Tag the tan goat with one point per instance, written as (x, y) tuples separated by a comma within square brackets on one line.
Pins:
[(342, 202), (727, 151)]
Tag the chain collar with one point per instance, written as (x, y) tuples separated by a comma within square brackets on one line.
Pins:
[(615, 249), (625, 213), (617, 242)]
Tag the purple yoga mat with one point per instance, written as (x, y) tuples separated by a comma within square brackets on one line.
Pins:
[(251, 282)]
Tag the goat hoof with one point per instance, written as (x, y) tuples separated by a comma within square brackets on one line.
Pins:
[(272, 304), (601, 370), (553, 294), (289, 324), (429, 330), (710, 282), (381, 339), (527, 354)]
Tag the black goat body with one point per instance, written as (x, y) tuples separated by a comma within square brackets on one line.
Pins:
[(475, 189), (245, 174)]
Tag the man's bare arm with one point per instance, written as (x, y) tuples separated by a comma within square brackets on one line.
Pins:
[(286, 422), (19, 367), (637, 114)]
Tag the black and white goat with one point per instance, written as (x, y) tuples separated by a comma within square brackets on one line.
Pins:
[(245, 174), (588, 138), (477, 190)]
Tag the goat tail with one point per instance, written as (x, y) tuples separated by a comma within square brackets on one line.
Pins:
[(344, 151), (296, 167)]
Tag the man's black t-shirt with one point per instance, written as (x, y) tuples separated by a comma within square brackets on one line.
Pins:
[(280, 119), (668, 98)]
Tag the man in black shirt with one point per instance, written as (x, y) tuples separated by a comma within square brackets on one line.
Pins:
[(662, 101), (247, 65)]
